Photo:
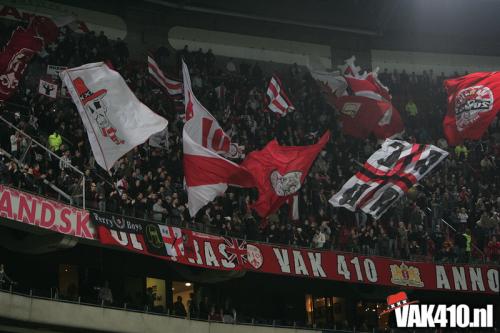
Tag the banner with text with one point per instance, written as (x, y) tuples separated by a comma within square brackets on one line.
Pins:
[(41, 212), (217, 252)]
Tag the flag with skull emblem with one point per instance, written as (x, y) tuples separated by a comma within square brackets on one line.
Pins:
[(115, 120), (279, 172)]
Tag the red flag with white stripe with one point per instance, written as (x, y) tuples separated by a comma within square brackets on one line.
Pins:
[(202, 127), (207, 174), (173, 87), (278, 99)]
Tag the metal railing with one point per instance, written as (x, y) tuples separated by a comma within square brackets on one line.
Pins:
[(50, 152), (52, 295)]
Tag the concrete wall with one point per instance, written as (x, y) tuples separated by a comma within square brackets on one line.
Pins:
[(438, 62), (62, 314)]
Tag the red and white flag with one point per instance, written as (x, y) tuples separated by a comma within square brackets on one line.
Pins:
[(207, 173), (14, 59), (115, 120), (280, 172), (47, 88), (362, 116), (202, 127), (472, 105), (173, 87), (278, 99)]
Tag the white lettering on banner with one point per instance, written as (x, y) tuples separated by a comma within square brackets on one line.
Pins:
[(370, 270), (315, 259), (459, 278), (135, 242), (300, 266), (441, 278), (123, 239), (476, 279), (29, 209), (210, 258), (283, 261), (198, 260), (55, 70), (342, 267), (493, 279), (225, 258)]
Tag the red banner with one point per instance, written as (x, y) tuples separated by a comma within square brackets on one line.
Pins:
[(216, 252), (223, 253), (37, 211)]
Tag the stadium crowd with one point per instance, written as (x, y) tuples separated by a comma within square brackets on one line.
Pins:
[(452, 215)]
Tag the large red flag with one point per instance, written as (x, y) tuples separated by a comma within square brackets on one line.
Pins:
[(279, 172), (472, 105), (362, 116), (19, 51), (14, 59)]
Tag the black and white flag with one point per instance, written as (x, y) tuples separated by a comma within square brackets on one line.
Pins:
[(389, 173)]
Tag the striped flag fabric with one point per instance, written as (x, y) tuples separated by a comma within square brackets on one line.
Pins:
[(172, 87), (278, 99), (386, 176)]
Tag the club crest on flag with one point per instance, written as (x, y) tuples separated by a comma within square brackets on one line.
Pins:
[(470, 102), (254, 256), (350, 109), (17, 64), (95, 105), (153, 236), (287, 184)]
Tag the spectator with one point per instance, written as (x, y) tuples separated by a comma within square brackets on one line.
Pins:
[(411, 109), (318, 240), (159, 211), (55, 141), (203, 308), (179, 309), (105, 295), (468, 244), (4, 278)]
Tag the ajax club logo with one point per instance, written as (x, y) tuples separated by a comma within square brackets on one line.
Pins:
[(287, 184), (95, 105), (470, 102)]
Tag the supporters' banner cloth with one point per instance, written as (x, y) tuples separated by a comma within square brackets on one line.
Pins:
[(172, 87), (171, 243), (55, 70), (160, 139), (362, 116), (115, 120), (363, 101), (22, 46), (473, 104), (389, 173), (280, 172), (278, 99), (222, 253), (202, 127), (207, 174), (14, 59), (47, 88), (41, 212)]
